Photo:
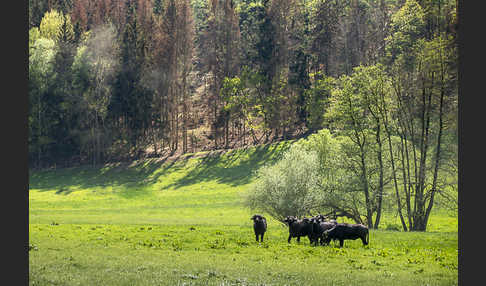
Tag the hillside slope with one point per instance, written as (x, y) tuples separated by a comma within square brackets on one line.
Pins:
[(181, 221), (154, 191)]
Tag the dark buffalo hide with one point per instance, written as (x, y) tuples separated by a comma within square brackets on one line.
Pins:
[(343, 231), (259, 226), (318, 228), (298, 228)]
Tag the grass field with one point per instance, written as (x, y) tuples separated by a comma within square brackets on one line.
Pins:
[(181, 222)]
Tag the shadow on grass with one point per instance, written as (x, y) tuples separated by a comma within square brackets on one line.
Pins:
[(235, 168), (125, 176)]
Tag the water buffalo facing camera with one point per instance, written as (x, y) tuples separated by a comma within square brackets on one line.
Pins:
[(259, 226), (342, 231), (298, 228), (320, 218)]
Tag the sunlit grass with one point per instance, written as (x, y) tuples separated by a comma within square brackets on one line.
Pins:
[(182, 223)]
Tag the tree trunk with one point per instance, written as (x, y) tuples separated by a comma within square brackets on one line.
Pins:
[(419, 215), (244, 132), (184, 114), (154, 140), (380, 185), (406, 177), (39, 146), (364, 178), (226, 129), (395, 182), (405, 124), (392, 159), (437, 157), (176, 135)]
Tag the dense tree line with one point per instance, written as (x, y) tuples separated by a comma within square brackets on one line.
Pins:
[(188, 75), (112, 80), (394, 128)]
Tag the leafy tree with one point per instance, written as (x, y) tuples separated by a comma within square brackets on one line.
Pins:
[(423, 81), (221, 44), (34, 34), (324, 28), (131, 101), (51, 23), (41, 79), (317, 99), (235, 96), (94, 69), (311, 177), (407, 27), (50, 57), (349, 115), (287, 188), (245, 100)]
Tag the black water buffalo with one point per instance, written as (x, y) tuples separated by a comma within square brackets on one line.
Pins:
[(342, 231), (323, 218), (320, 218), (318, 228), (298, 228), (259, 226)]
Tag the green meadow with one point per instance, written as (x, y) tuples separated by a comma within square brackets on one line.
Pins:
[(182, 222)]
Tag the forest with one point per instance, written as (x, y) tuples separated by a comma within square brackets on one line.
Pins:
[(114, 80), (372, 81), (157, 129)]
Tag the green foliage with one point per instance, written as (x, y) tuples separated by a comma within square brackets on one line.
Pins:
[(297, 77), (409, 19), (251, 16), (233, 94), (50, 107), (326, 147), (53, 23), (339, 185), (41, 60), (101, 55), (41, 79), (407, 27), (81, 70), (347, 110), (289, 186), (34, 34), (146, 224), (243, 99), (93, 71), (317, 99)]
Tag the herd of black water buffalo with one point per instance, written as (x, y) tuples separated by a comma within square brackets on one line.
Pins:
[(318, 229)]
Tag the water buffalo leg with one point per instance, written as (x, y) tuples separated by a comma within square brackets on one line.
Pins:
[(363, 239)]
